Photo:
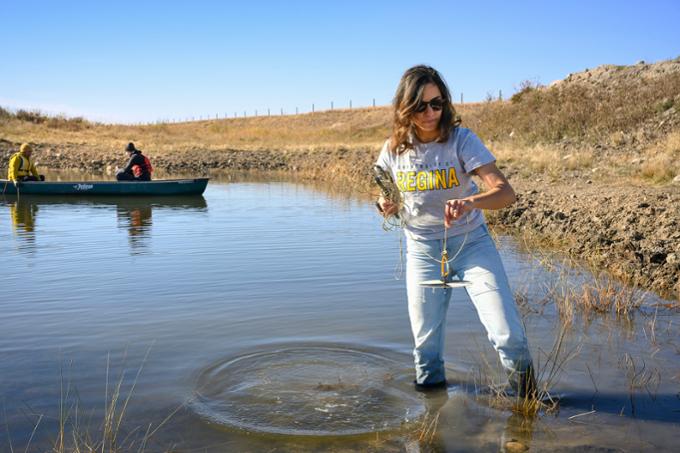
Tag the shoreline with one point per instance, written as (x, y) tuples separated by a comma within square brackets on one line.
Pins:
[(633, 232)]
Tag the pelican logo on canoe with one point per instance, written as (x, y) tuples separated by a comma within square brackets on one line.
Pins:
[(83, 186)]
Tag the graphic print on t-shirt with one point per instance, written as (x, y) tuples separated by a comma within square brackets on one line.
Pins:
[(430, 174), (421, 180)]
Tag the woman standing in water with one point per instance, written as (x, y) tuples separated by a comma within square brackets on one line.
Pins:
[(432, 160)]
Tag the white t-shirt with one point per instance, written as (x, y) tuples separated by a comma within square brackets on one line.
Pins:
[(432, 173)]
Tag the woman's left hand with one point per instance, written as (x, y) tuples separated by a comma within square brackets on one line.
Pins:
[(455, 209)]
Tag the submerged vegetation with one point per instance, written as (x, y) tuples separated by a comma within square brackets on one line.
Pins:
[(86, 430)]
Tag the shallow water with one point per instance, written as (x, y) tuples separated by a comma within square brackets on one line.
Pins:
[(271, 315)]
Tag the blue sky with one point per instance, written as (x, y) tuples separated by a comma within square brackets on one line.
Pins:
[(147, 61)]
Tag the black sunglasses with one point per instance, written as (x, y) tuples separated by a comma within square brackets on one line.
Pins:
[(435, 104)]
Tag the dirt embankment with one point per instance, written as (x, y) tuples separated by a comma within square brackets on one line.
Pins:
[(340, 163), (633, 232)]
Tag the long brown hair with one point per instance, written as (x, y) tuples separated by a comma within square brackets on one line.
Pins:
[(407, 98)]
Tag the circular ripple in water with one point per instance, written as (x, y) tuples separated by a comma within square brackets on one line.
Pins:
[(310, 390)]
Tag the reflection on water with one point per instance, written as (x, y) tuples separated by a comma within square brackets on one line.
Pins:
[(271, 264), (517, 434), (134, 214), (23, 215), (138, 222)]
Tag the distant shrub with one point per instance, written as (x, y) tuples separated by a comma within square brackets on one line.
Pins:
[(71, 124), (54, 122), (31, 116), (527, 86)]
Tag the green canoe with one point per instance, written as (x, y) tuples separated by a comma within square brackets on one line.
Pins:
[(160, 187)]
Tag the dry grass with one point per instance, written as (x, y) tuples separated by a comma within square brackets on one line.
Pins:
[(544, 159), (639, 378), (577, 286), (78, 433), (597, 298), (426, 432), (313, 131), (662, 159), (606, 128), (73, 437), (548, 366), (588, 113), (603, 296)]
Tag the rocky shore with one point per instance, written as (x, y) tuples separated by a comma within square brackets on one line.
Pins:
[(632, 232)]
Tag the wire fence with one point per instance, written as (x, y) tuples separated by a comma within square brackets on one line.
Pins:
[(314, 108), (262, 113)]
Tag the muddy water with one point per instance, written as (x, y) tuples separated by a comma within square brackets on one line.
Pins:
[(271, 316)]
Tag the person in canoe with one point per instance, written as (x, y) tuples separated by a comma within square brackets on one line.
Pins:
[(21, 167), (432, 161), (138, 167)]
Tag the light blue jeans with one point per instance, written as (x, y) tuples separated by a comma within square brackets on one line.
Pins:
[(479, 263)]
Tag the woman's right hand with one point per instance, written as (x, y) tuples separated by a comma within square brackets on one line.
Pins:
[(386, 207)]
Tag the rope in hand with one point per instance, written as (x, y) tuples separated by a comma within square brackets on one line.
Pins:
[(391, 192), (445, 260)]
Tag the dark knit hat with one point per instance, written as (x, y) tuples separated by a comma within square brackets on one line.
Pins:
[(130, 148)]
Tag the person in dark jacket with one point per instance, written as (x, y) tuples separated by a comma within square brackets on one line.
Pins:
[(138, 167)]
